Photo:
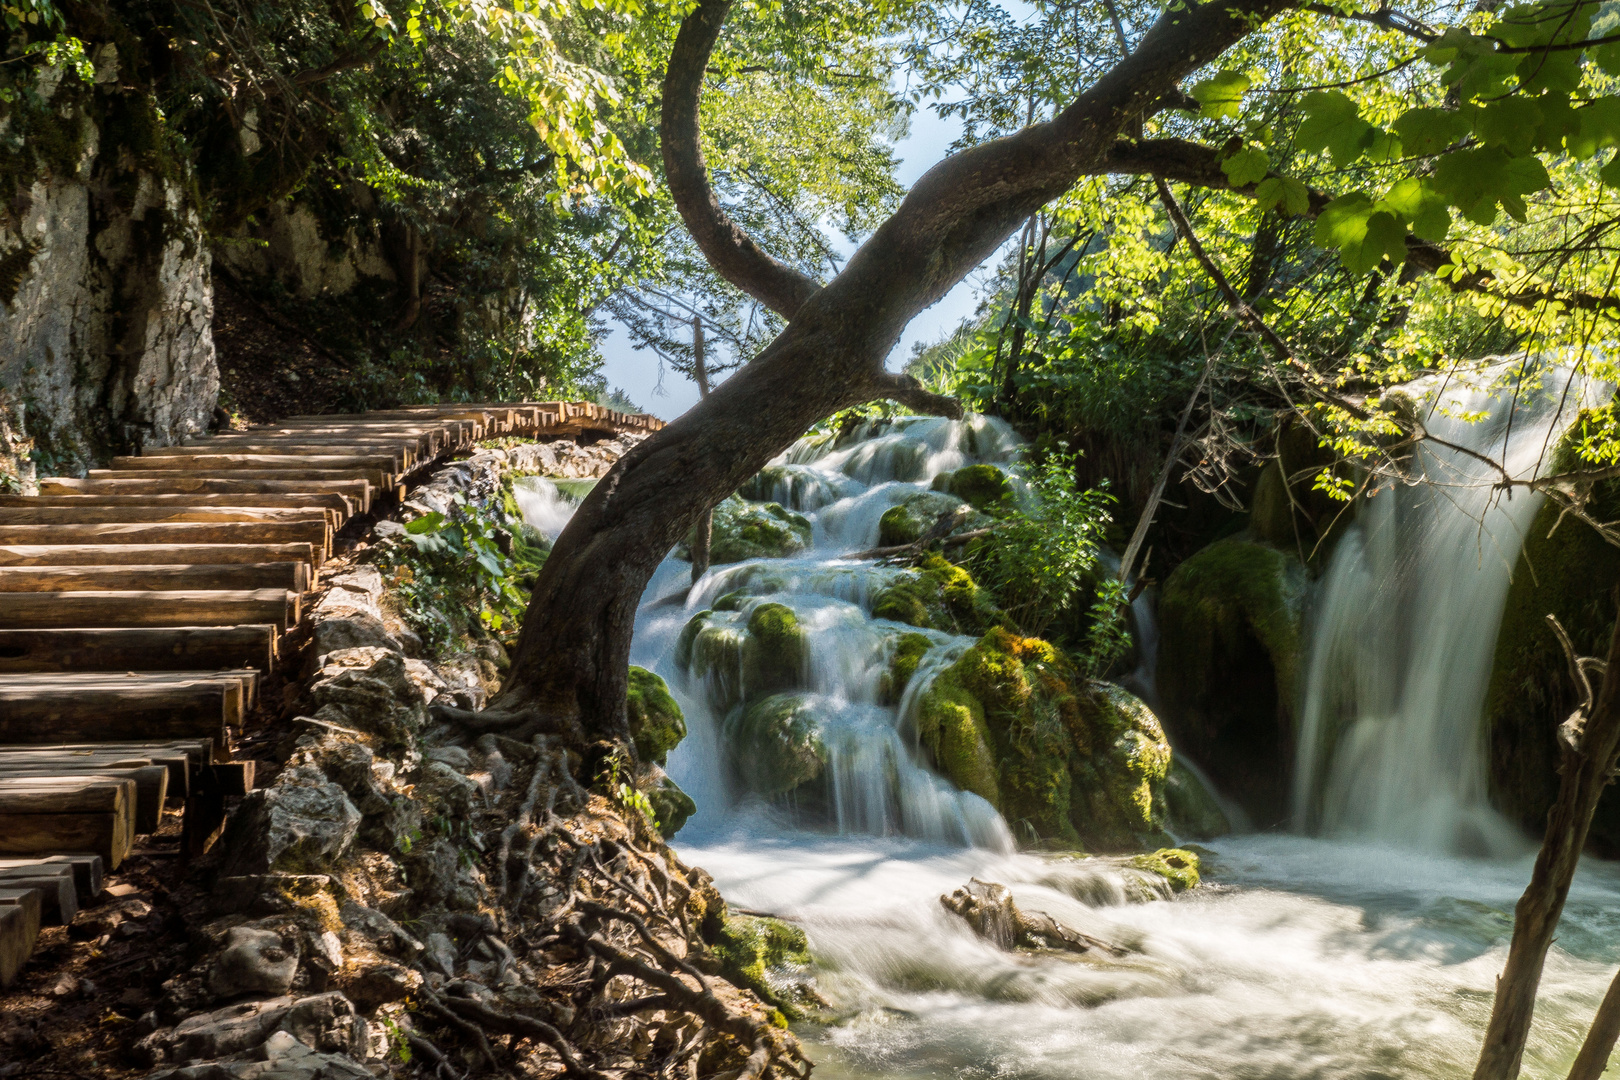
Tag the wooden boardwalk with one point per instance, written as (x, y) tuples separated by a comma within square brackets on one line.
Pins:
[(141, 605)]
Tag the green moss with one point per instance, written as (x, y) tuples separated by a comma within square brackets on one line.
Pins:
[(909, 520), (670, 805), (950, 723), (1178, 866), (909, 649), (984, 487), (1120, 770), (1570, 572), (1190, 809), (766, 956), (938, 595), (777, 652), (744, 530), (656, 723), (775, 744)]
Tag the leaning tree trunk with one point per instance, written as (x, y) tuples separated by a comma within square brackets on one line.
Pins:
[(703, 536), (569, 672)]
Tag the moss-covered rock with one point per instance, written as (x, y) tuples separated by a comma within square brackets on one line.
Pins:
[(909, 649), (950, 723), (940, 596), (735, 659), (1120, 769), (984, 487), (1569, 572), (745, 530), (775, 744), (656, 723), (1176, 865), (769, 957), (670, 805), (907, 521), (1230, 646), (798, 487)]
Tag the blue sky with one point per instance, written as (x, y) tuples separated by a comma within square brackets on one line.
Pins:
[(636, 373)]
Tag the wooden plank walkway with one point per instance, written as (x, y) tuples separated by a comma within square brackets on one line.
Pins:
[(140, 605)]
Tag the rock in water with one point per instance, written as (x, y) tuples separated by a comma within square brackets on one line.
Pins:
[(988, 908), (656, 723), (776, 743), (744, 530)]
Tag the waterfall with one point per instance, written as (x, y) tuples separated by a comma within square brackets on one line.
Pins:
[(1404, 627)]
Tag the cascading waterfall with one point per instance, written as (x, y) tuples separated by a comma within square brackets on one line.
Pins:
[(1404, 627), (1337, 957)]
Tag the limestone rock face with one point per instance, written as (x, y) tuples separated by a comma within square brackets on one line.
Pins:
[(303, 818), (253, 962), (106, 302), (1230, 656)]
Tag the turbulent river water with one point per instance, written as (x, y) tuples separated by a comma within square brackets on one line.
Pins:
[(1363, 945)]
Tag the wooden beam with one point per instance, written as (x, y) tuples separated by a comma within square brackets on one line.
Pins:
[(88, 872), (343, 505), (40, 817), (358, 489), (175, 648), (151, 783), (85, 705), (379, 478), (19, 930), (390, 455), (291, 576), (315, 533), (151, 554), (34, 513), (84, 610)]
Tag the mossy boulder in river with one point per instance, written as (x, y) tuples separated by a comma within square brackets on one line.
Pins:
[(775, 744), (1569, 572), (916, 515), (940, 596), (656, 723), (909, 649), (1230, 626), (1069, 762), (737, 656), (984, 487), (745, 530), (670, 805)]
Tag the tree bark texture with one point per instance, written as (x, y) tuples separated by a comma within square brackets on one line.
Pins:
[(1589, 753), (569, 671), (705, 526), (1594, 1055)]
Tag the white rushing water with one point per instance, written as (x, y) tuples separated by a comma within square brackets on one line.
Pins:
[(1369, 951)]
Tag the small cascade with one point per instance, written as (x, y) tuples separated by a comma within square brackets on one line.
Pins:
[(876, 780), (547, 503), (1404, 628)]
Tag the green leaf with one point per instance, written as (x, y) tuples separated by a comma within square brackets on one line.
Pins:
[(1284, 192), (1221, 95), (1599, 128), (1511, 123), (1476, 181), (1415, 201), (429, 522), (1246, 167), (1430, 131), (1333, 123), (1361, 232), (1610, 173)]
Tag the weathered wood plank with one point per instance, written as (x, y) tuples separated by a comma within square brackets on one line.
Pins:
[(380, 478), (92, 609), (58, 896), (178, 648), (317, 534), (343, 505), (151, 783), (292, 576), (358, 489), (390, 455), (34, 513), (95, 817), (89, 874), (151, 554), (19, 930), (77, 706), (179, 763)]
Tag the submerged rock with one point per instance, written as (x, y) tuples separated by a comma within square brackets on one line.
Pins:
[(745, 530), (657, 725), (1177, 866), (743, 660), (671, 806), (989, 910), (1230, 651), (916, 515), (775, 744), (909, 649), (1192, 810)]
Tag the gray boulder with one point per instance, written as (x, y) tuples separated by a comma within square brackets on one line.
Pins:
[(253, 962), (304, 818), (324, 1022)]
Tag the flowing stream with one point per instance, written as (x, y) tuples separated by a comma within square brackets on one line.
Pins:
[(1365, 945)]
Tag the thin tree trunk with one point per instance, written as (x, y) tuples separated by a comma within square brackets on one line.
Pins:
[(1594, 1055), (1588, 753), (705, 525)]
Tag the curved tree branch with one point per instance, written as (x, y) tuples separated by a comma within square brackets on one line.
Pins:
[(730, 250), (911, 393)]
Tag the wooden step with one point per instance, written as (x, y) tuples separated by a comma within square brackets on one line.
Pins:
[(243, 680), (377, 478), (88, 872), (74, 706), (33, 513), (84, 610), (318, 534), (39, 817), (343, 505), (176, 648), (19, 930), (390, 454), (187, 484), (151, 554), (151, 784), (179, 762), (292, 576)]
